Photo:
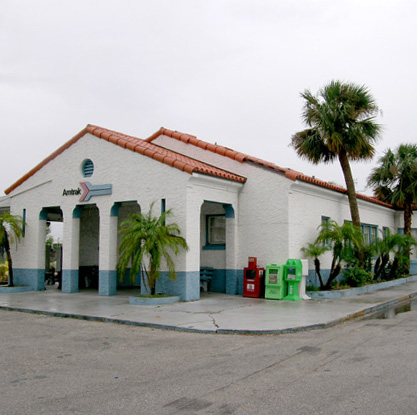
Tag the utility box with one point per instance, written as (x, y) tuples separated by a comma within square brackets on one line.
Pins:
[(275, 286), (253, 279), (293, 274)]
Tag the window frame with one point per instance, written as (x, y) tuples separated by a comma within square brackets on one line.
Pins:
[(210, 245), (372, 233), (325, 222)]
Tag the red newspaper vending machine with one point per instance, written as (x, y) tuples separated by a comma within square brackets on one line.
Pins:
[(253, 279)]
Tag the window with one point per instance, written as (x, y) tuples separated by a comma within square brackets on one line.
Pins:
[(163, 208), (216, 232), (370, 233), (325, 222)]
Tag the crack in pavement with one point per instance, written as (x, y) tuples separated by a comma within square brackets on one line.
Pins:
[(214, 321)]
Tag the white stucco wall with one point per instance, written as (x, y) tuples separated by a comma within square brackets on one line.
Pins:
[(133, 177), (308, 203), (278, 216), (274, 216), (263, 205)]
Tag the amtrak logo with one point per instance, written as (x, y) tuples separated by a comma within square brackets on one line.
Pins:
[(94, 190)]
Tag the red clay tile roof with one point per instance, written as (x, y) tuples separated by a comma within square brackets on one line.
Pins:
[(241, 157), (140, 146)]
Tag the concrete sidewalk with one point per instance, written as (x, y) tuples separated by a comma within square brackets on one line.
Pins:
[(213, 313)]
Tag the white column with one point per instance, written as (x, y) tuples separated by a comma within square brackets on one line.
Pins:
[(108, 250), (38, 282), (231, 250), (190, 278), (70, 250)]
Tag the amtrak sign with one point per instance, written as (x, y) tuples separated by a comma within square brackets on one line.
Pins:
[(88, 191)]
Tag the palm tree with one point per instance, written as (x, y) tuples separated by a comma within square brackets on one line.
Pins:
[(396, 244), (341, 121), (147, 237), (10, 229), (395, 181)]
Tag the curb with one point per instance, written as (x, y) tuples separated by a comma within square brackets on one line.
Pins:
[(334, 294), (367, 312)]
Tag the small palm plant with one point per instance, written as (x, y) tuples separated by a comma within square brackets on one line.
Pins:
[(4, 271), (344, 240), (315, 250), (146, 241), (11, 228)]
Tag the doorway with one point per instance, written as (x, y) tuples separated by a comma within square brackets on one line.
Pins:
[(88, 276)]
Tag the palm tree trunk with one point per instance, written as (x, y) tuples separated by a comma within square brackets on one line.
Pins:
[(9, 260), (152, 278), (350, 186), (353, 200), (408, 211), (334, 272), (318, 272)]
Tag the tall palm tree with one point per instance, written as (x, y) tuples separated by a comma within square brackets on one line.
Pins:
[(10, 229), (147, 238), (394, 180), (341, 121)]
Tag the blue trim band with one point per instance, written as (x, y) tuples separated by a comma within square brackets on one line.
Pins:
[(220, 247)]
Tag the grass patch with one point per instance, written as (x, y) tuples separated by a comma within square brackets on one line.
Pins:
[(154, 296)]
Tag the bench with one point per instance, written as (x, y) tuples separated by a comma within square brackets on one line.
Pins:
[(206, 274)]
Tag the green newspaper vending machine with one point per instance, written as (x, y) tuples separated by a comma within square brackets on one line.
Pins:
[(293, 274), (275, 286)]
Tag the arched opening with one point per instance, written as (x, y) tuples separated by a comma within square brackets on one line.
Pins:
[(52, 245), (89, 247), (213, 247), (126, 209)]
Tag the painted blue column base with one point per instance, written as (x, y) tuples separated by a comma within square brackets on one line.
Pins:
[(413, 267), (218, 281), (313, 280), (240, 282), (127, 280), (107, 282), (144, 288), (186, 285), (70, 281), (231, 281), (34, 278)]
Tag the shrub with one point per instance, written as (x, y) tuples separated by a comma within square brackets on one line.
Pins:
[(356, 276)]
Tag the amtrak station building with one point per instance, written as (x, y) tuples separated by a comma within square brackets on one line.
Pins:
[(228, 205)]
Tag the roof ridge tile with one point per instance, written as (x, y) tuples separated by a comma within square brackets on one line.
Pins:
[(138, 145)]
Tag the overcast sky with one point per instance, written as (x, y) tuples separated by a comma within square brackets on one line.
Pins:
[(227, 71)]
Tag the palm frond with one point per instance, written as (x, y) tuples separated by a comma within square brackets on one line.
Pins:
[(147, 238)]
